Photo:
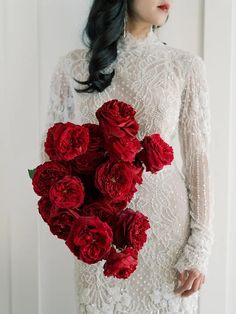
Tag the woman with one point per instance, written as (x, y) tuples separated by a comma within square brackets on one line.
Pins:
[(168, 89)]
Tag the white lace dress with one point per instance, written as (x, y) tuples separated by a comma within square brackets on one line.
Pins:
[(168, 89)]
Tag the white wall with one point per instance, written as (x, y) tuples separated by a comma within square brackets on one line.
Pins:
[(220, 60), (231, 234), (19, 114), (33, 34)]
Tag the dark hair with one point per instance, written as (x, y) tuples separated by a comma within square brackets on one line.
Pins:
[(104, 27)]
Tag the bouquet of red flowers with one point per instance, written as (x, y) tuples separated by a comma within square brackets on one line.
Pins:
[(89, 180)]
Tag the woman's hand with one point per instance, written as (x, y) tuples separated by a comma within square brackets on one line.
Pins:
[(191, 281)]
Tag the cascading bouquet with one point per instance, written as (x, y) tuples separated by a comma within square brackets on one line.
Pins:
[(89, 180)]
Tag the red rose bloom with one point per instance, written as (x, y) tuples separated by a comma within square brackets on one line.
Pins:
[(156, 153), (116, 118), (95, 154), (67, 192), (88, 162), (47, 174), (121, 264), (137, 170), (45, 208), (130, 229), (61, 221), (101, 209), (95, 137), (119, 205), (65, 141), (115, 180), (90, 239), (124, 148)]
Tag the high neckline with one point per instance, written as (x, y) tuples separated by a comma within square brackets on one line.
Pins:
[(131, 42), (135, 45)]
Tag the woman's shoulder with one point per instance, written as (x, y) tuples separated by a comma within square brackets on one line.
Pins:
[(73, 61), (183, 55), (76, 54), (185, 59)]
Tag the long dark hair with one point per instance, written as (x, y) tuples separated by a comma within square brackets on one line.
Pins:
[(104, 27)]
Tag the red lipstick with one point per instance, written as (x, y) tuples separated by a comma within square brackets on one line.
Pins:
[(164, 7)]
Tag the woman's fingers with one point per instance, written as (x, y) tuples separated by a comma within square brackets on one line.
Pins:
[(191, 281), (187, 285), (195, 287), (181, 276)]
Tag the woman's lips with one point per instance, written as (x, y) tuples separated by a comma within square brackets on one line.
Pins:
[(164, 7)]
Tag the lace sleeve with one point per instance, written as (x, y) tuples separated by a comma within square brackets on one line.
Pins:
[(194, 137), (61, 104)]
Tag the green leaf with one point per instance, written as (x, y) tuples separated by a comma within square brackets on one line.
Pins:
[(31, 172)]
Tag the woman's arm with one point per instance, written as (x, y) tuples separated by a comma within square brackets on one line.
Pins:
[(61, 103), (194, 136)]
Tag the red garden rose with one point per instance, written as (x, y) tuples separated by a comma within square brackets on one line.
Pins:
[(115, 180), (65, 141), (90, 239), (156, 153), (45, 208), (101, 209), (61, 221), (130, 229), (119, 205), (121, 264), (88, 162), (95, 154), (95, 137), (137, 171), (47, 174), (124, 148), (116, 118), (67, 192)]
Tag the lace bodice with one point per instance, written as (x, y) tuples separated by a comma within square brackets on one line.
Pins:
[(168, 88)]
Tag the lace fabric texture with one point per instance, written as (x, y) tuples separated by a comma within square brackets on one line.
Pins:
[(168, 89)]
